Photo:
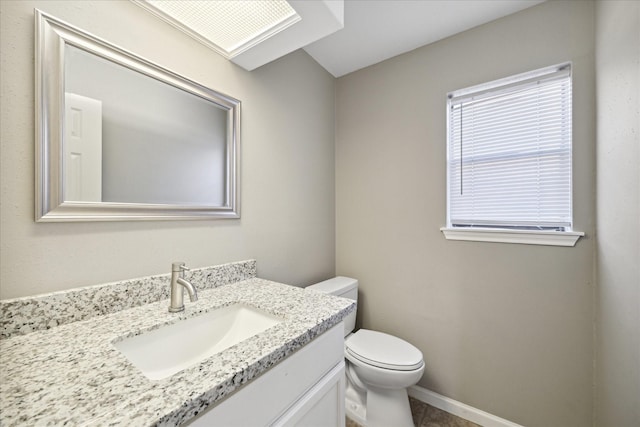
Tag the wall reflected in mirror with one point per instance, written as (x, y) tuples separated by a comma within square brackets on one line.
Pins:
[(132, 139)]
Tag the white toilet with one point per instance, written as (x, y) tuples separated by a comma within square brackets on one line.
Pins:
[(379, 369)]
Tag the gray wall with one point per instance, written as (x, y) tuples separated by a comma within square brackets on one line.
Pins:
[(288, 198), (618, 211), (505, 328)]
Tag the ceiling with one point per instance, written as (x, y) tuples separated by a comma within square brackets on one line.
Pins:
[(375, 30)]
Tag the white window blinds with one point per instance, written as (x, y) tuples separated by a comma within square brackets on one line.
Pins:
[(509, 153)]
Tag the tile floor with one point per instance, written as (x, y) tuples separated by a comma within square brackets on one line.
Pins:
[(425, 415)]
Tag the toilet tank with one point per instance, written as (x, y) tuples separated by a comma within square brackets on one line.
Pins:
[(344, 287)]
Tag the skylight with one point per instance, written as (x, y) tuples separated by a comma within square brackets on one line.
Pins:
[(228, 26)]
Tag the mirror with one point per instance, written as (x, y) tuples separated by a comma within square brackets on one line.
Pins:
[(120, 138)]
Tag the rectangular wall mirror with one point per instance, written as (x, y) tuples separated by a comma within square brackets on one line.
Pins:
[(120, 138)]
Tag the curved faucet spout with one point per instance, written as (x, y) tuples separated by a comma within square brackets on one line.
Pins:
[(193, 293)]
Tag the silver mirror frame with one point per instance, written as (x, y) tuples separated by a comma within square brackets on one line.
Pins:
[(51, 38)]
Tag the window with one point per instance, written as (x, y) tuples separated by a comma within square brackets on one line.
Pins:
[(509, 160)]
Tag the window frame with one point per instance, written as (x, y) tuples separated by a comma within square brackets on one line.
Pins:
[(567, 237)]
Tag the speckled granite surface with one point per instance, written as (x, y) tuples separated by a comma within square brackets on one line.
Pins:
[(24, 315), (73, 375)]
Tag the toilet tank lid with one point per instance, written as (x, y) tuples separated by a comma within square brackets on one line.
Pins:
[(336, 286)]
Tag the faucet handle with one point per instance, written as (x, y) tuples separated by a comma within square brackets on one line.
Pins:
[(178, 266)]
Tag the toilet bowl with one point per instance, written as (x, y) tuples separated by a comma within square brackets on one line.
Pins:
[(379, 368)]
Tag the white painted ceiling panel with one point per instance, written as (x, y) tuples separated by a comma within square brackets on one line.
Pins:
[(375, 30)]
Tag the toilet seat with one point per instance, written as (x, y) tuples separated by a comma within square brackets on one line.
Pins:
[(383, 351)]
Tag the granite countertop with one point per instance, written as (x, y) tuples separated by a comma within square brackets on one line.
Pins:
[(73, 375)]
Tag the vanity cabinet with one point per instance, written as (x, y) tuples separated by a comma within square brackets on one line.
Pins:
[(305, 389)]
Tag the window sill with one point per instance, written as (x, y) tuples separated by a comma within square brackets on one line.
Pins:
[(526, 237)]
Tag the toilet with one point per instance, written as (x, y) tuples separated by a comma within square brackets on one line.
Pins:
[(379, 367)]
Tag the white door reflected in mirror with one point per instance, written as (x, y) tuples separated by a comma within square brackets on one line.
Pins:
[(83, 148)]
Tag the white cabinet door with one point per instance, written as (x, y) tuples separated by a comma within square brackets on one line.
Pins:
[(322, 406)]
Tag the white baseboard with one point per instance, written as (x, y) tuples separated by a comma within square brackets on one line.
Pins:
[(458, 409)]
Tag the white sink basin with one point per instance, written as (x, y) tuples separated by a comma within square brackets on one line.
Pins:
[(162, 352)]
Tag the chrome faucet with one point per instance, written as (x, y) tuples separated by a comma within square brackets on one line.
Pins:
[(177, 283)]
